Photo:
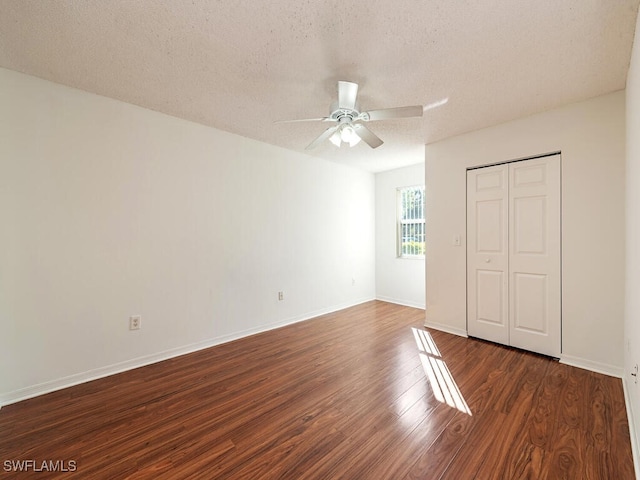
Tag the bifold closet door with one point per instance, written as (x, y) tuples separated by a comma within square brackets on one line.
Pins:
[(513, 254)]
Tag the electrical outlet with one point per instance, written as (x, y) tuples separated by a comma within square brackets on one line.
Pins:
[(280, 295), (135, 322)]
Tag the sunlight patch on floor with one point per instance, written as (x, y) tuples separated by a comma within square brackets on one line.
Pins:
[(444, 387)]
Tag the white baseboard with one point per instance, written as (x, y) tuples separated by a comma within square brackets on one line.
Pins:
[(83, 377), (405, 303), (632, 429), (447, 329), (606, 369)]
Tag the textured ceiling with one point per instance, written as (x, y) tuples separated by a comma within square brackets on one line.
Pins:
[(240, 65)]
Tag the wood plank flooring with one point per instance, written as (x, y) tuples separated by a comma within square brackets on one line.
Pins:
[(364, 393)]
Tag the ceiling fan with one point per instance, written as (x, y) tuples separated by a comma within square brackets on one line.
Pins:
[(349, 120)]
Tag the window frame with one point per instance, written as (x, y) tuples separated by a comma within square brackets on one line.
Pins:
[(401, 222)]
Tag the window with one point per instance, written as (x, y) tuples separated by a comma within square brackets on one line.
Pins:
[(411, 238)]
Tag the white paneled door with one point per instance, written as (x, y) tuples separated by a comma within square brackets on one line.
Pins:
[(488, 253), (513, 254)]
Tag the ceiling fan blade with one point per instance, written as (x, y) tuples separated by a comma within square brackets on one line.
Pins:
[(367, 136), (320, 119), (323, 136), (398, 112), (347, 93)]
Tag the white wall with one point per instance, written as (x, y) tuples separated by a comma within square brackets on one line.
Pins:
[(590, 136), (632, 301), (109, 210), (398, 280)]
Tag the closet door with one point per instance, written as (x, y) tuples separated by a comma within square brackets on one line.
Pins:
[(513, 254), (534, 255), (487, 253)]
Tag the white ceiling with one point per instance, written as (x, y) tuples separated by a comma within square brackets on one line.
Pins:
[(240, 65)]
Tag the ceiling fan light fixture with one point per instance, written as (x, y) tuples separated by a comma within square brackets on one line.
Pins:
[(349, 135), (335, 139)]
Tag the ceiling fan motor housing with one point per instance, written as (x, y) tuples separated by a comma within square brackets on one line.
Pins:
[(343, 115)]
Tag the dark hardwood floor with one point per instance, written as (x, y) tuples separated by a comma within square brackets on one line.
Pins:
[(364, 393)]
